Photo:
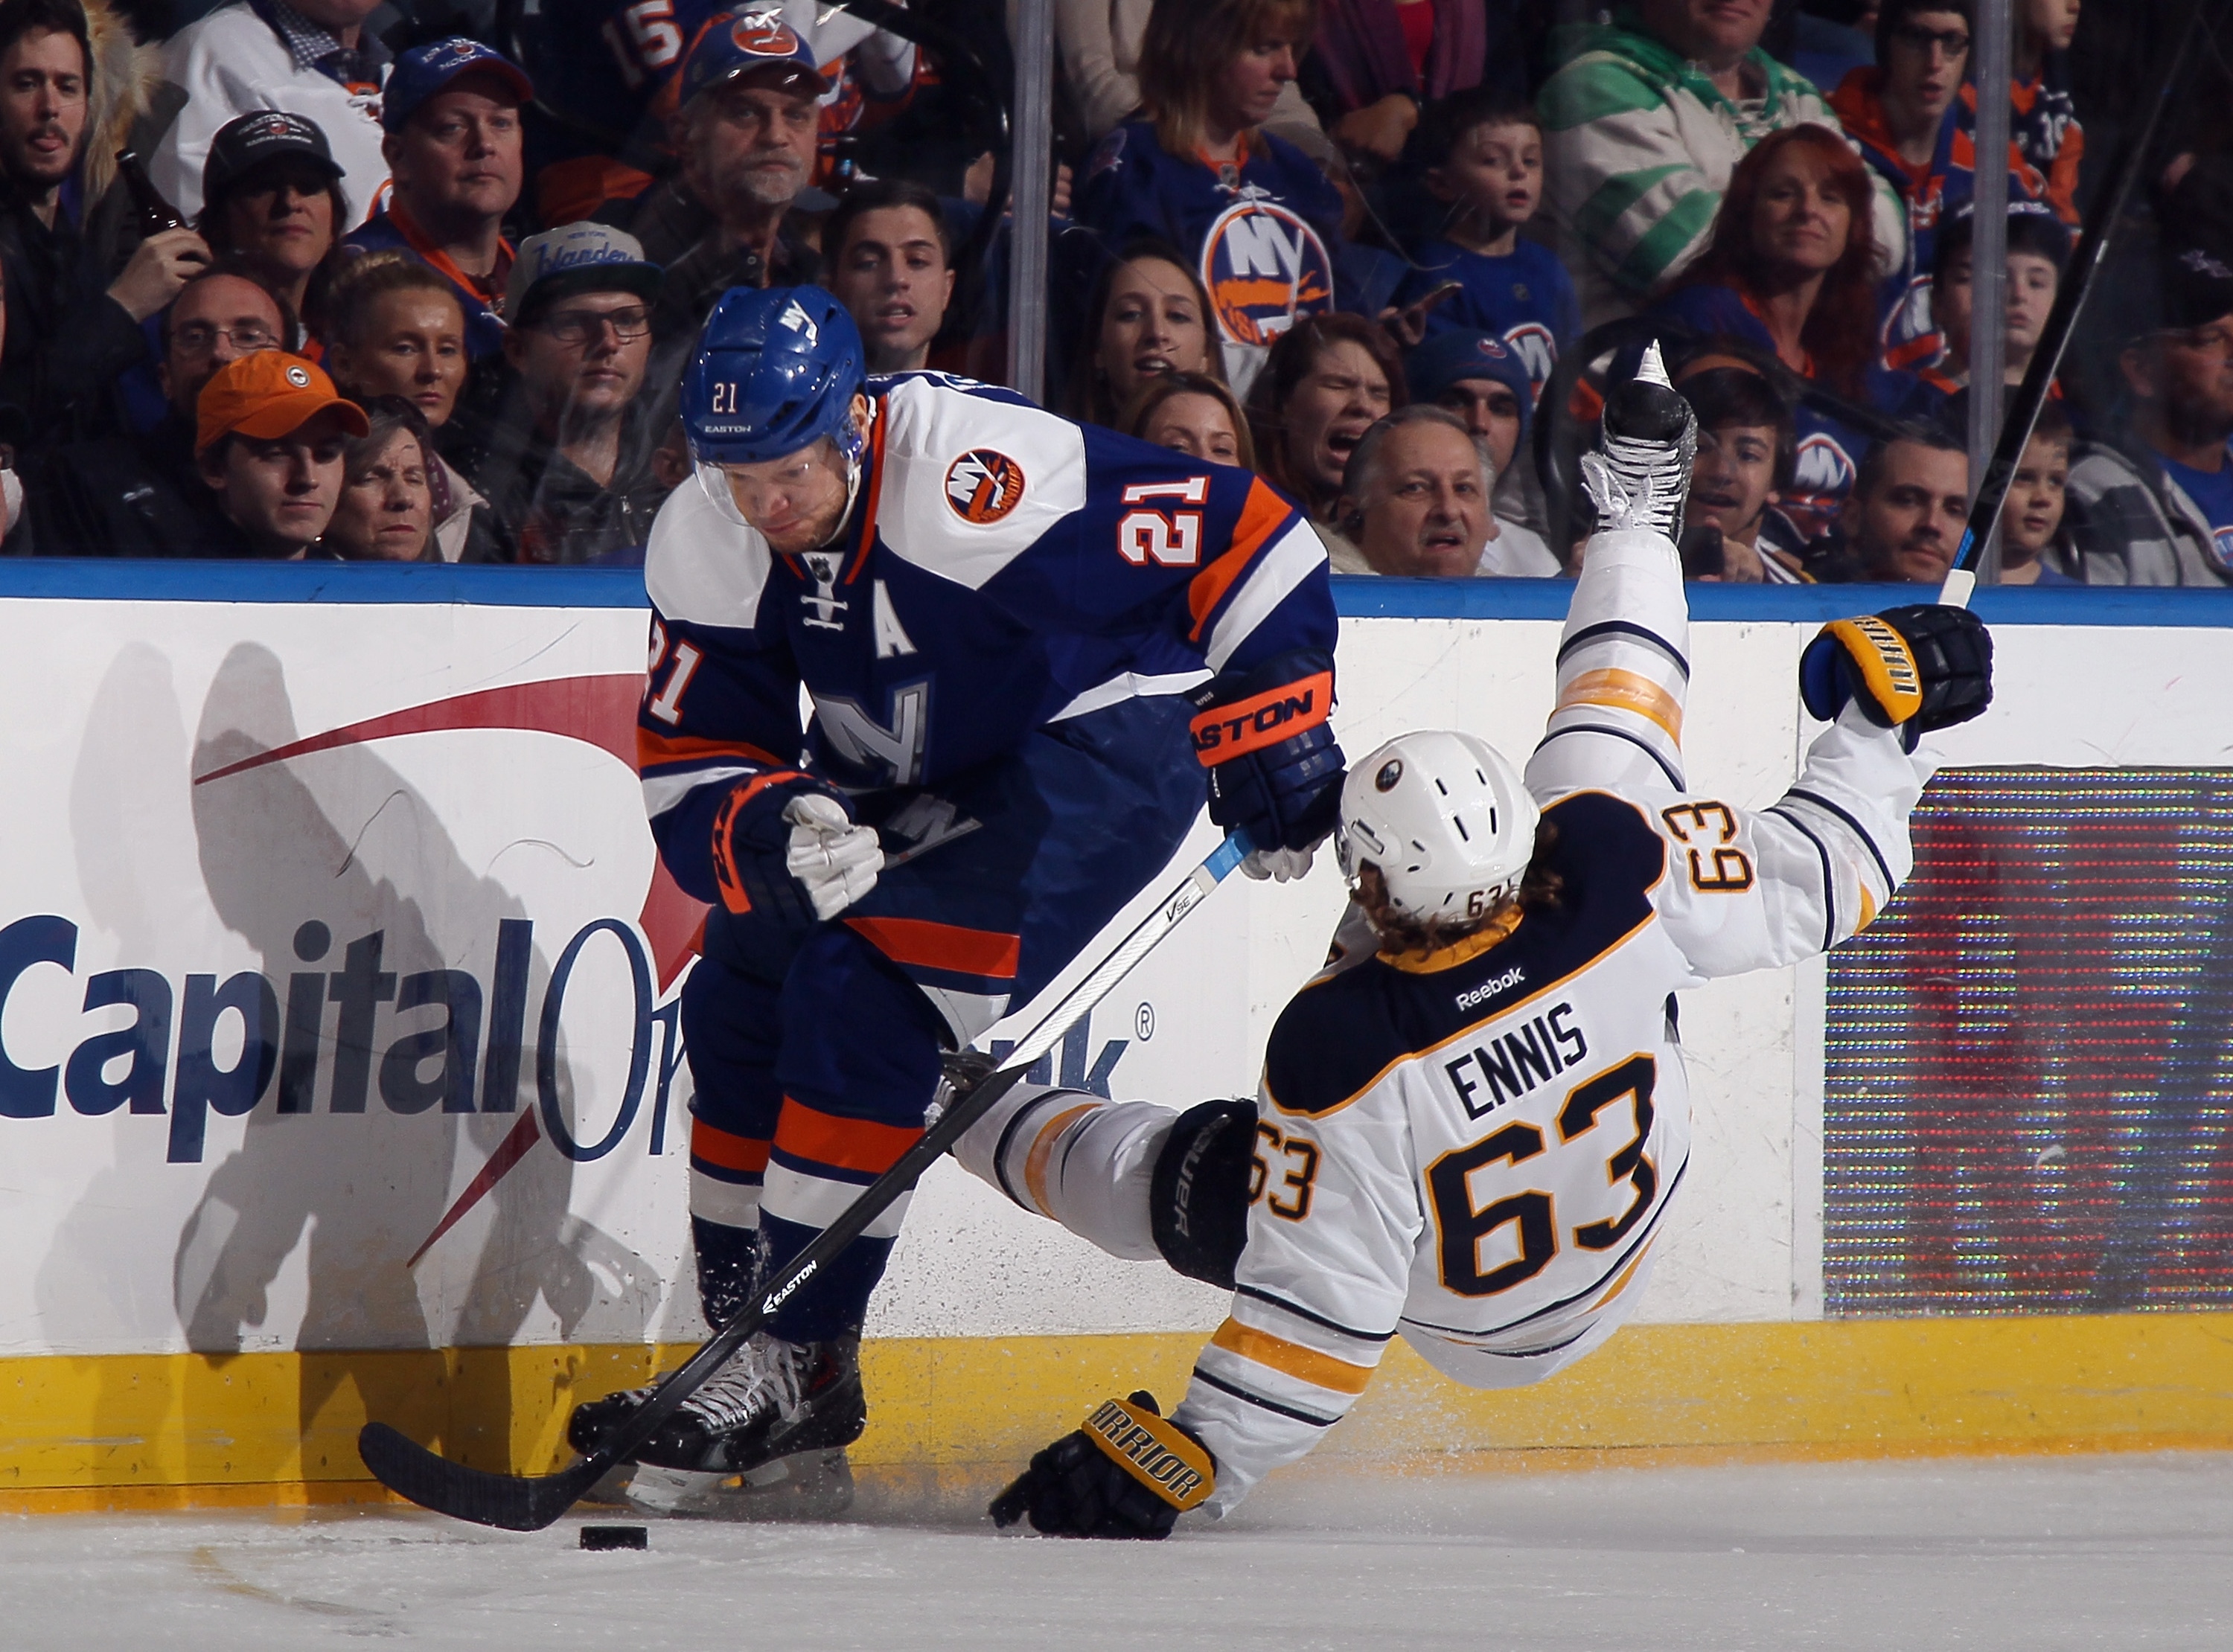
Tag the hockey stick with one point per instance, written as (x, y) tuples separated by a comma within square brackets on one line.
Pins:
[(530, 1502), (2085, 263)]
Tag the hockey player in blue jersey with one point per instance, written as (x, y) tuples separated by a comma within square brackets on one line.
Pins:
[(1032, 649)]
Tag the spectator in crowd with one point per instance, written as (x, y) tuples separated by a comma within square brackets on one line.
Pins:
[(387, 508), (1486, 385), (271, 431), (1147, 316), (569, 468), (1099, 44), (1415, 504), (2035, 546), (1905, 517), (1486, 165), (1249, 211), (2038, 247), (1748, 446), (891, 265), (394, 327), (141, 494), (1643, 126), (2045, 119), (745, 127), (2153, 505), (1192, 412), (312, 58), (454, 145), (1791, 272), (79, 279), (1378, 62), (273, 199), (1325, 384)]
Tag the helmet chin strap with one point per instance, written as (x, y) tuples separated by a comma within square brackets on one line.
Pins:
[(853, 447)]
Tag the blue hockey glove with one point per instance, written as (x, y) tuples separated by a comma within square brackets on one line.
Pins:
[(1275, 771), (1126, 1474), (787, 852), (1925, 666)]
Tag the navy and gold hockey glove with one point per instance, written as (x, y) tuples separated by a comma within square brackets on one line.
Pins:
[(1925, 666), (1275, 770), (1127, 1474)]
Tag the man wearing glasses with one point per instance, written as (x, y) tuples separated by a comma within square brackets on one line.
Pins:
[(2153, 504), (569, 462), (140, 495)]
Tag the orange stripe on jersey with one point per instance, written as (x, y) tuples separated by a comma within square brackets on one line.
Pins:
[(652, 749), (725, 1149), (845, 1144), (1627, 691), (1868, 910), (1292, 1359), (1260, 516), (875, 461), (1035, 1163), (936, 945)]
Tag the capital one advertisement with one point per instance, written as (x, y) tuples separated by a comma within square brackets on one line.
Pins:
[(338, 985)]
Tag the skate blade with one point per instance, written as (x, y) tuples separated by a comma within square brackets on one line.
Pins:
[(807, 1485)]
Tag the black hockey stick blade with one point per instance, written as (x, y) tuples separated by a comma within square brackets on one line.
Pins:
[(531, 1502)]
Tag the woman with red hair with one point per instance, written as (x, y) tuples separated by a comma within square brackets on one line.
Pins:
[(1792, 271)]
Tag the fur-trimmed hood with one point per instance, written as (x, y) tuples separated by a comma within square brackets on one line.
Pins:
[(120, 91)]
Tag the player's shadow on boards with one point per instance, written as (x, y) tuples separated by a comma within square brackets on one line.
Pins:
[(345, 890)]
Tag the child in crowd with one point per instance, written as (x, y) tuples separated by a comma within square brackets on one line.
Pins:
[(1747, 449), (1486, 166), (2034, 545), (2038, 247)]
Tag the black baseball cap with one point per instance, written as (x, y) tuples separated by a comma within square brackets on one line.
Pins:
[(2196, 287), (253, 140)]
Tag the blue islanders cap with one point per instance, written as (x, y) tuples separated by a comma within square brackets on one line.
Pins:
[(1445, 358), (425, 70), (739, 42), (576, 259)]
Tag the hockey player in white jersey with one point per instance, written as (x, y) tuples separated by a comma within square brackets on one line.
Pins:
[(1472, 1123)]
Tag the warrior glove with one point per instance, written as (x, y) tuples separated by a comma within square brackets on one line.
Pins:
[(1127, 1474), (1925, 666), (1275, 770), (787, 851)]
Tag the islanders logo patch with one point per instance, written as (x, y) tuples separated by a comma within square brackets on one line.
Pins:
[(1264, 269), (764, 34), (984, 485)]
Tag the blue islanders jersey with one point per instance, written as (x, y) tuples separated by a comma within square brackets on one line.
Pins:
[(1264, 237), (1526, 298), (1003, 570)]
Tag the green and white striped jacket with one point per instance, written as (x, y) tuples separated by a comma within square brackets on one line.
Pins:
[(1638, 146)]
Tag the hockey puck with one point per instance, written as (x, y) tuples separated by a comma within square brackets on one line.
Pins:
[(616, 1537)]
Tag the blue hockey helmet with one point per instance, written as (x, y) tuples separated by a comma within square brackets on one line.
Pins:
[(777, 369)]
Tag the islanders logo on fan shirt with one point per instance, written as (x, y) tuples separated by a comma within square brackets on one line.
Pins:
[(1264, 269), (983, 485), (1538, 351), (1821, 478)]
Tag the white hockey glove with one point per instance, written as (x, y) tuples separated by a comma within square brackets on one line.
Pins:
[(835, 860), (1281, 865)]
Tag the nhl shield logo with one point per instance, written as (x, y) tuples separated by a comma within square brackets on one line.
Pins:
[(983, 485), (1265, 270)]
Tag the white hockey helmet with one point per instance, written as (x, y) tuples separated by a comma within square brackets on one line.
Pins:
[(1445, 819)]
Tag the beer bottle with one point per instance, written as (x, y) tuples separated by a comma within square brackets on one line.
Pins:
[(151, 212)]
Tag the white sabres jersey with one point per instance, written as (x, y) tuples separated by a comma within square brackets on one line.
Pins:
[(1476, 1148)]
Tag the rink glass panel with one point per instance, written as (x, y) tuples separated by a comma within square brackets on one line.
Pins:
[(2028, 1093)]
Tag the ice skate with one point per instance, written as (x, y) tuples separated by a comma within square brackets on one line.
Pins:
[(773, 1399), (805, 1485), (1640, 475)]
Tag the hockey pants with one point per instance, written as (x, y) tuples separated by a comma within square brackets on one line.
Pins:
[(813, 1065)]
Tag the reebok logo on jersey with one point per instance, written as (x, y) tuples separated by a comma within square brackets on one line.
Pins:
[(1488, 989), (1509, 1065), (983, 485)]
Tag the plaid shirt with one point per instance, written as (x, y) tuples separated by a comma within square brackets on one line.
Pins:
[(313, 46), (2134, 525)]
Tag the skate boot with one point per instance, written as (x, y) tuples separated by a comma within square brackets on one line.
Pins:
[(1639, 476), (774, 1399)]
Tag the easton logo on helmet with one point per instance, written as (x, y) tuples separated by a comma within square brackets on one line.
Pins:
[(983, 485), (1265, 270), (764, 34)]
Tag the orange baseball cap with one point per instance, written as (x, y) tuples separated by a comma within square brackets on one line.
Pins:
[(267, 395)]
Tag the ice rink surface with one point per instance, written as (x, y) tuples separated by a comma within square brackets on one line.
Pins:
[(2034, 1554)]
